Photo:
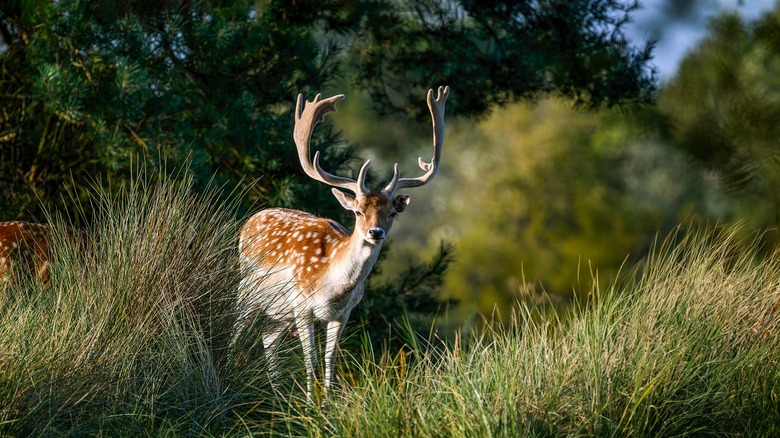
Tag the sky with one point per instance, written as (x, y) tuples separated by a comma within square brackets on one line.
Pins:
[(680, 24)]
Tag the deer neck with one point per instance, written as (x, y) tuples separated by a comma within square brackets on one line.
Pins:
[(357, 260)]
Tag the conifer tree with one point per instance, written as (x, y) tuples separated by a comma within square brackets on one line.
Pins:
[(90, 89)]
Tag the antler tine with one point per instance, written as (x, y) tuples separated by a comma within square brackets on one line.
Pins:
[(436, 107), (306, 118)]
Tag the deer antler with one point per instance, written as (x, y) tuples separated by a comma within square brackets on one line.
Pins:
[(437, 117), (306, 118)]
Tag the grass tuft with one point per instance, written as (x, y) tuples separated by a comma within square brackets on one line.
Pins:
[(132, 337), (132, 334)]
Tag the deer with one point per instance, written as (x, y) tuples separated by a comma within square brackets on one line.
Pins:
[(25, 247), (300, 268)]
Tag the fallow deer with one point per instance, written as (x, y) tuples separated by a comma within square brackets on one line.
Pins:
[(299, 268), (25, 247)]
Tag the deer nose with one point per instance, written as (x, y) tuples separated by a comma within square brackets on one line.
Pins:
[(376, 233)]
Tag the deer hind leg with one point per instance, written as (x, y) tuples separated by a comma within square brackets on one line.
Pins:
[(272, 338), (305, 326), (43, 272), (244, 309), (5, 270)]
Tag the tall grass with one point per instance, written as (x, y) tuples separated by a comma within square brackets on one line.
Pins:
[(132, 334), (132, 337), (691, 347)]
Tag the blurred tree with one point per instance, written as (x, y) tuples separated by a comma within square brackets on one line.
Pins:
[(553, 193), (723, 107)]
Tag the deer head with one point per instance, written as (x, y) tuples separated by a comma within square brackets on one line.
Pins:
[(374, 211)]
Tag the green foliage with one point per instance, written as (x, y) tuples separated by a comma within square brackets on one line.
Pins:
[(554, 193), (500, 51), (89, 89), (723, 107), (688, 349)]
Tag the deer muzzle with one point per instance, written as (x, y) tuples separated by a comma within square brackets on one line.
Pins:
[(376, 234)]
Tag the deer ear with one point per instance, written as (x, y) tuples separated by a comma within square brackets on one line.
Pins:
[(400, 202), (345, 199)]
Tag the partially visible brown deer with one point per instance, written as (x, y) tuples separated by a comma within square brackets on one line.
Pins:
[(300, 268), (25, 247)]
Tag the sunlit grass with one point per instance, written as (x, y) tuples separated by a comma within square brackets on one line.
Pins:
[(691, 347), (132, 337), (133, 333)]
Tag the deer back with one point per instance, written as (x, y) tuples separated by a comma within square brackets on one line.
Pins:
[(300, 242), (24, 246)]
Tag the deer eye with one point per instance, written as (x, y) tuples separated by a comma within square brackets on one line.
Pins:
[(358, 214), (393, 214)]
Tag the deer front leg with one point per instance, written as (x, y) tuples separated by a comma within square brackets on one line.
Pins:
[(305, 327), (332, 347)]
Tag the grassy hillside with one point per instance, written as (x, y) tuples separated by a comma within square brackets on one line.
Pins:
[(132, 338)]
